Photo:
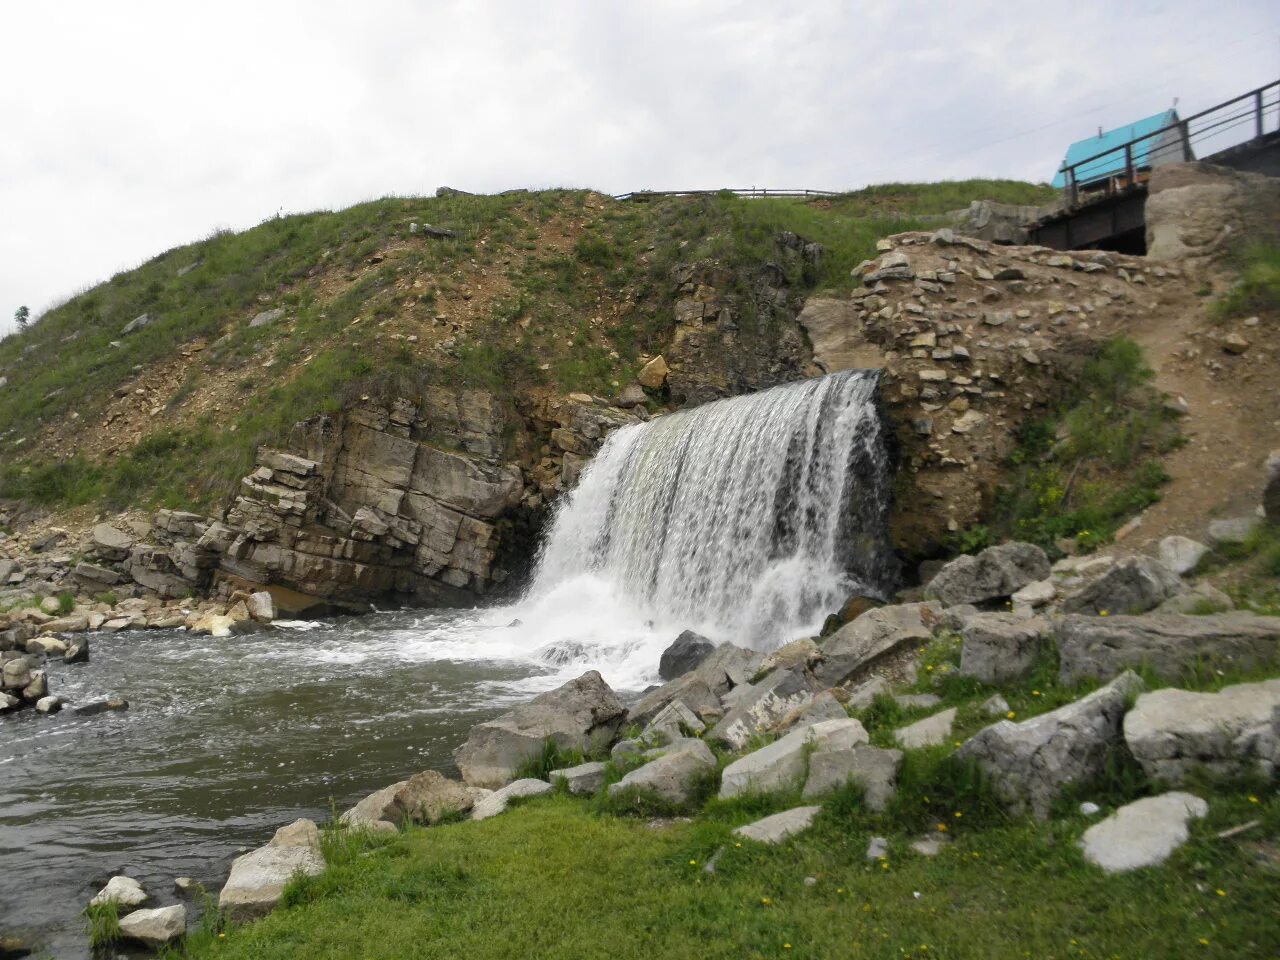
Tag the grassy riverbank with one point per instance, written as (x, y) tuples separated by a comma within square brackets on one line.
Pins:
[(553, 879)]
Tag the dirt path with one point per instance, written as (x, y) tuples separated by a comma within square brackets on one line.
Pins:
[(1233, 418)]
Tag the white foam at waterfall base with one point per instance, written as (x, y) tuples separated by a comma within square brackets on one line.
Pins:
[(747, 520)]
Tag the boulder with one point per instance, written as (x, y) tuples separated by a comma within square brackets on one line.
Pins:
[(46, 646), (673, 721), (582, 780), (674, 776), (77, 651), (259, 877), (688, 650), (797, 653), (1232, 532), (110, 543), (1181, 554), (1173, 646), (1199, 598), (1171, 732), (48, 704), (993, 574), (37, 687), (125, 892), (1143, 833), (1134, 585), (780, 826), (871, 768), (824, 706), (781, 764), (929, 732), (75, 623), (764, 706), (16, 673), (426, 797), (156, 927), (1028, 763), (261, 606), (875, 634), (266, 317), (865, 693), (725, 668), (496, 802), (1035, 594), (583, 714), (9, 702), (1001, 647), (653, 374)]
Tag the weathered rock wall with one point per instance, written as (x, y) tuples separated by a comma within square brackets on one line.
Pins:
[(1199, 212)]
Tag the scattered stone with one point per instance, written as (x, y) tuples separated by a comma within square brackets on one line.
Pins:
[(259, 877), (781, 764), (1172, 732), (822, 707), (1035, 594), (49, 704), (780, 826), (871, 768), (1134, 585), (673, 721), (653, 374), (156, 927), (686, 653), (1028, 763), (1001, 647), (583, 714), (1235, 343), (995, 706), (911, 701), (1172, 646), (928, 846), (877, 848), (1090, 809), (266, 317), (426, 797), (137, 323), (675, 776), (261, 606), (929, 732), (865, 693), (993, 574), (497, 801), (1143, 833), (582, 780), (873, 635), (187, 886), (1233, 532), (125, 891), (1181, 554), (767, 703)]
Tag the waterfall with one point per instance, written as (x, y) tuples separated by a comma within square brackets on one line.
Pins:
[(748, 519)]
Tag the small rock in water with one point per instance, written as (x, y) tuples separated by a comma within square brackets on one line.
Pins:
[(49, 704), (187, 886), (156, 927), (125, 891)]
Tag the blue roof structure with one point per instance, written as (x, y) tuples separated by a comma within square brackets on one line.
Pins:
[(1114, 163)]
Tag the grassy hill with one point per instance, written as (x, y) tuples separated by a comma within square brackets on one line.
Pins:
[(557, 290)]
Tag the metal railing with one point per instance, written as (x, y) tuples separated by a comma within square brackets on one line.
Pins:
[(737, 191), (1104, 168)]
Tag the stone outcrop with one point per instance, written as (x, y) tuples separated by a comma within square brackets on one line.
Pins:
[(1172, 732), (583, 714), (995, 573), (1201, 212), (1028, 763), (1172, 646), (258, 878)]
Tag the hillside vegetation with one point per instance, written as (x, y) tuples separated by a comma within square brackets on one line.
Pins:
[(558, 290)]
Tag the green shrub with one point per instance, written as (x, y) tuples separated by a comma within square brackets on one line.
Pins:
[(1258, 289)]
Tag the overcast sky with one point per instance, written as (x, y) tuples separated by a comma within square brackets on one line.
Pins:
[(127, 128)]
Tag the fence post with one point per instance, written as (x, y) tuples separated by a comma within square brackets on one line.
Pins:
[(1184, 131), (1128, 164), (1257, 113)]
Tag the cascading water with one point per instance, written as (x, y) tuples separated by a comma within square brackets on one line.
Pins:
[(748, 519)]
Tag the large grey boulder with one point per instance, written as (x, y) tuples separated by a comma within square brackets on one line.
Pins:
[(1172, 646), (1143, 833), (688, 650), (724, 668), (672, 721), (871, 768), (110, 543), (426, 797), (1172, 732), (259, 877), (781, 764), (1001, 647), (873, 635), (1233, 531), (768, 702), (778, 827), (156, 927), (929, 732), (583, 714), (1028, 763), (993, 574), (674, 776), (1134, 585), (497, 801)]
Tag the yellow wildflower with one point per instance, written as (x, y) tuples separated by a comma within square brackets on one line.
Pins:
[(1010, 714)]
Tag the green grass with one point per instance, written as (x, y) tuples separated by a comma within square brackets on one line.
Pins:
[(552, 880), (1089, 466), (1257, 291), (104, 924)]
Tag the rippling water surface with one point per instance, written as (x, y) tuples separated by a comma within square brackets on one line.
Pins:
[(227, 739)]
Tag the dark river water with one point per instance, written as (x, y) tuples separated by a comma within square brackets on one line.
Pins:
[(227, 739)]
